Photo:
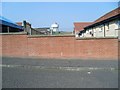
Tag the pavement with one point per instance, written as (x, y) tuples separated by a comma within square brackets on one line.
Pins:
[(58, 73)]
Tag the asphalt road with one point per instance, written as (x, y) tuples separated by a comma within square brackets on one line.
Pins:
[(48, 73)]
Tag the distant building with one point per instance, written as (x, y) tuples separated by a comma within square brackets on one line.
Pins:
[(54, 27), (40, 31), (26, 26), (19, 23), (7, 26), (106, 26), (79, 27)]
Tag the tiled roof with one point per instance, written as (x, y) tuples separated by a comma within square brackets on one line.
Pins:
[(79, 26), (20, 23), (109, 15)]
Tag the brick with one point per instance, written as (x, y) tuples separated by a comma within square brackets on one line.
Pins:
[(58, 47)]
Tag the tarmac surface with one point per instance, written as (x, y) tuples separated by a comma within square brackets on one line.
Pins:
[(58, 73)]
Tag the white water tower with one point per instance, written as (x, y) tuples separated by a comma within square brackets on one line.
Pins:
[(54, 27)]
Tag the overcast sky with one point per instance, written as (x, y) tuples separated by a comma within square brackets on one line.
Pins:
[(43, 14)]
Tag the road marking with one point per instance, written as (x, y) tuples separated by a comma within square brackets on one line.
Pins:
[(61, 68)]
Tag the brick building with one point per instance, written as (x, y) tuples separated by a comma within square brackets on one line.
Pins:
[(26, 26), (34, 31)]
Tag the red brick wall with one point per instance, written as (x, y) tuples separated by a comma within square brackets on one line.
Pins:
[(51, 46), (97, 48), (59, 47), (119, 50), (70, 47), (14, 45)]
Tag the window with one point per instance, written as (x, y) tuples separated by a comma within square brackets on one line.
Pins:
[(91, 31)]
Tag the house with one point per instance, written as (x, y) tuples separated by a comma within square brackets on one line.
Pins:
[(40, 31), (26, 26), (7, 26), (34, 31), (106, 26), (79, 27)]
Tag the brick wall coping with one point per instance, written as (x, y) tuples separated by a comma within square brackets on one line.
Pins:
[(86, 38), (14, 33), (35, 36)]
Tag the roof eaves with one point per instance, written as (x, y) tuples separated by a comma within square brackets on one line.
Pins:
[(106, 20), (10, 24)]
